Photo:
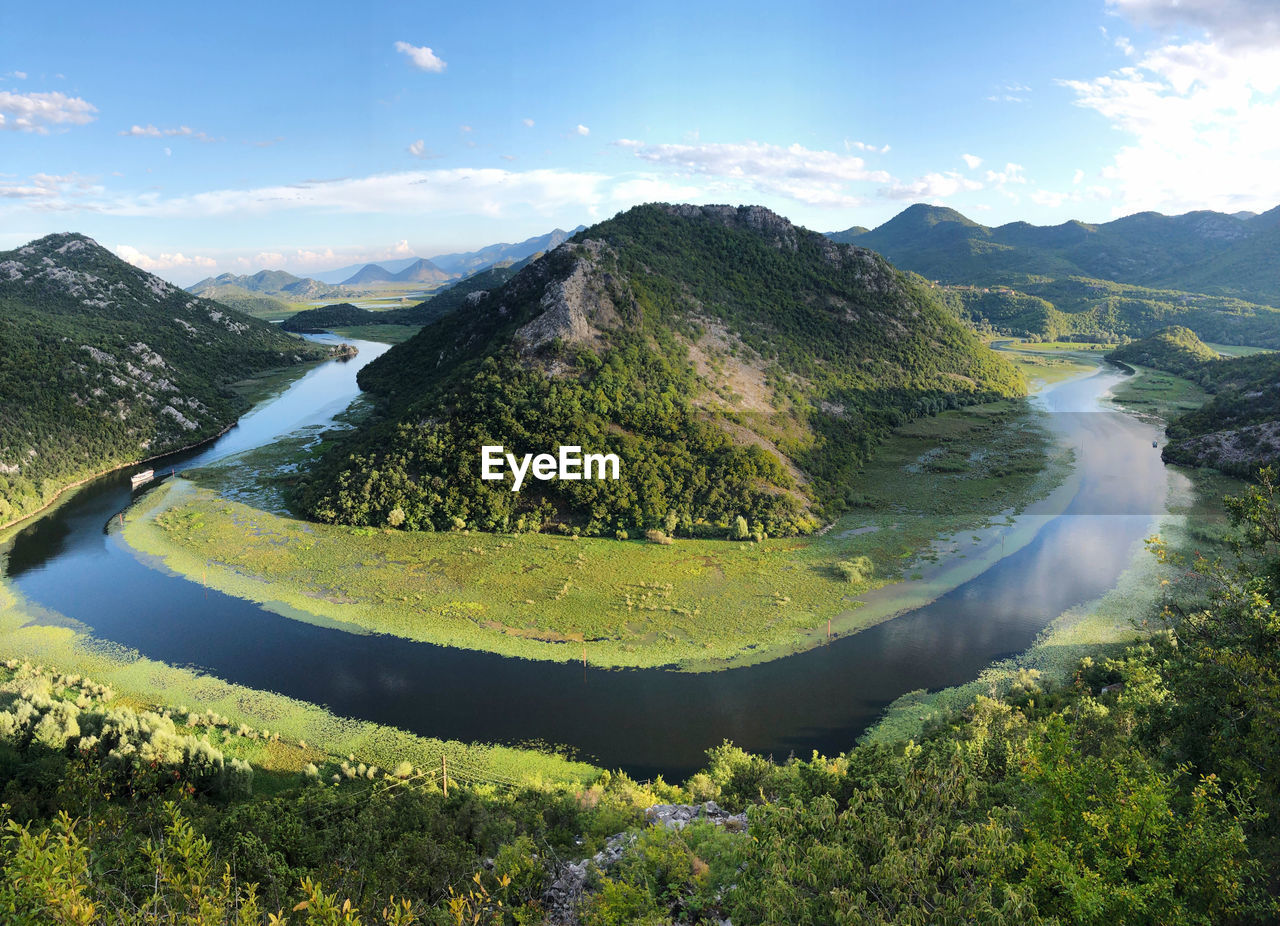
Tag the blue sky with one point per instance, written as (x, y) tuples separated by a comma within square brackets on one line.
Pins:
[(195, 139)]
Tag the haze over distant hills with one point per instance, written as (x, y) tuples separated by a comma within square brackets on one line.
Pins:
[(1204, 252), (419, 271), (461, 263), (279, 283)]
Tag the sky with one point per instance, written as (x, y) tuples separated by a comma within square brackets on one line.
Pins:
[(195, 139)]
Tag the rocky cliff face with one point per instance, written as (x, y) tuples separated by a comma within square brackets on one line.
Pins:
[(576, 307)]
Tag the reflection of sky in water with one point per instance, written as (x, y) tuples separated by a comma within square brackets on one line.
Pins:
[(646, 721)]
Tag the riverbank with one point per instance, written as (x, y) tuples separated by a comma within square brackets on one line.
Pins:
[(308, 733), (252, 390), (697, 605), (1102, 628)]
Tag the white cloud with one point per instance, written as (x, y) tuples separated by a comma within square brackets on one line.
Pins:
[(818, 178), (972, 161), (17, 75), (35, 112), (423, 58), (483, 191), (50, 192), (1243, 23), (1202, 119), (168, 151), (528, 123), (464, 129), (150, 131), (1012, 173), (931, 186), (419, 149), (1078, 176), (863, 146), (1049, 199), (582, 129), (163, 261)]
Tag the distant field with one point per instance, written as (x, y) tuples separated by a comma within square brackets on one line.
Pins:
[(388, 334), (696, 604), (1235, 350), (1043, 367)]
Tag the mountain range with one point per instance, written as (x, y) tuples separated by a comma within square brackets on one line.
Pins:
[(1231, 255), (462, 263), (419, 271), (102, 363), (742, 367), (278, 283)]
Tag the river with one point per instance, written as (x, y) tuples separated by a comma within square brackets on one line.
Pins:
[(647, 721)]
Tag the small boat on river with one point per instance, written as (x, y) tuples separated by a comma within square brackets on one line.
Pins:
[(142, 478)]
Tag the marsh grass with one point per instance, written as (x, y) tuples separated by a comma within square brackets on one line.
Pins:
[(694, 604), (1156, 394), (387, 334)]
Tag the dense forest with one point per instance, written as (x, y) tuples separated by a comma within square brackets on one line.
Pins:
[(102, 364), (1083, 309), (1144, 791), (1174, 349), (740, 367)]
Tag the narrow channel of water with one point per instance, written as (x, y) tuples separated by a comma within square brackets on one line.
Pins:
[(645, 721)]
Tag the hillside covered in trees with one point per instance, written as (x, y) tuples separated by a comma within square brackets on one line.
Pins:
[(1204, 252), (1144, 791), (740, 367), (1124, 279), (1174, 349), (102, 364), (1238, 430)]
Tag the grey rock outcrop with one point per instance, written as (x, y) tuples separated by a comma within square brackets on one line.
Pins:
[(566, 893)]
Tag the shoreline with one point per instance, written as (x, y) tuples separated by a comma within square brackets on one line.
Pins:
[(4, 528)]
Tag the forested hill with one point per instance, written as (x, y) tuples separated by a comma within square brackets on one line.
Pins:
[(740, 367), (1214, 273), (1203, 252), (1238, 429), (102, 363), (1174, 349)]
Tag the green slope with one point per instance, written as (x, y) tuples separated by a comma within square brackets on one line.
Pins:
[(1174, 349), (1205, 252), (739, 366), (101, 364)]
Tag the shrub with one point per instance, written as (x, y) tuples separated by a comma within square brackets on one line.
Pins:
[(855, 571)]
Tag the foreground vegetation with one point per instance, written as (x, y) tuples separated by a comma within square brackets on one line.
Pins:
[(1142, 791), (933, 489)]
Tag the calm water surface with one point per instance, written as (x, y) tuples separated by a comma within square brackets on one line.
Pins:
[(645, 721)]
